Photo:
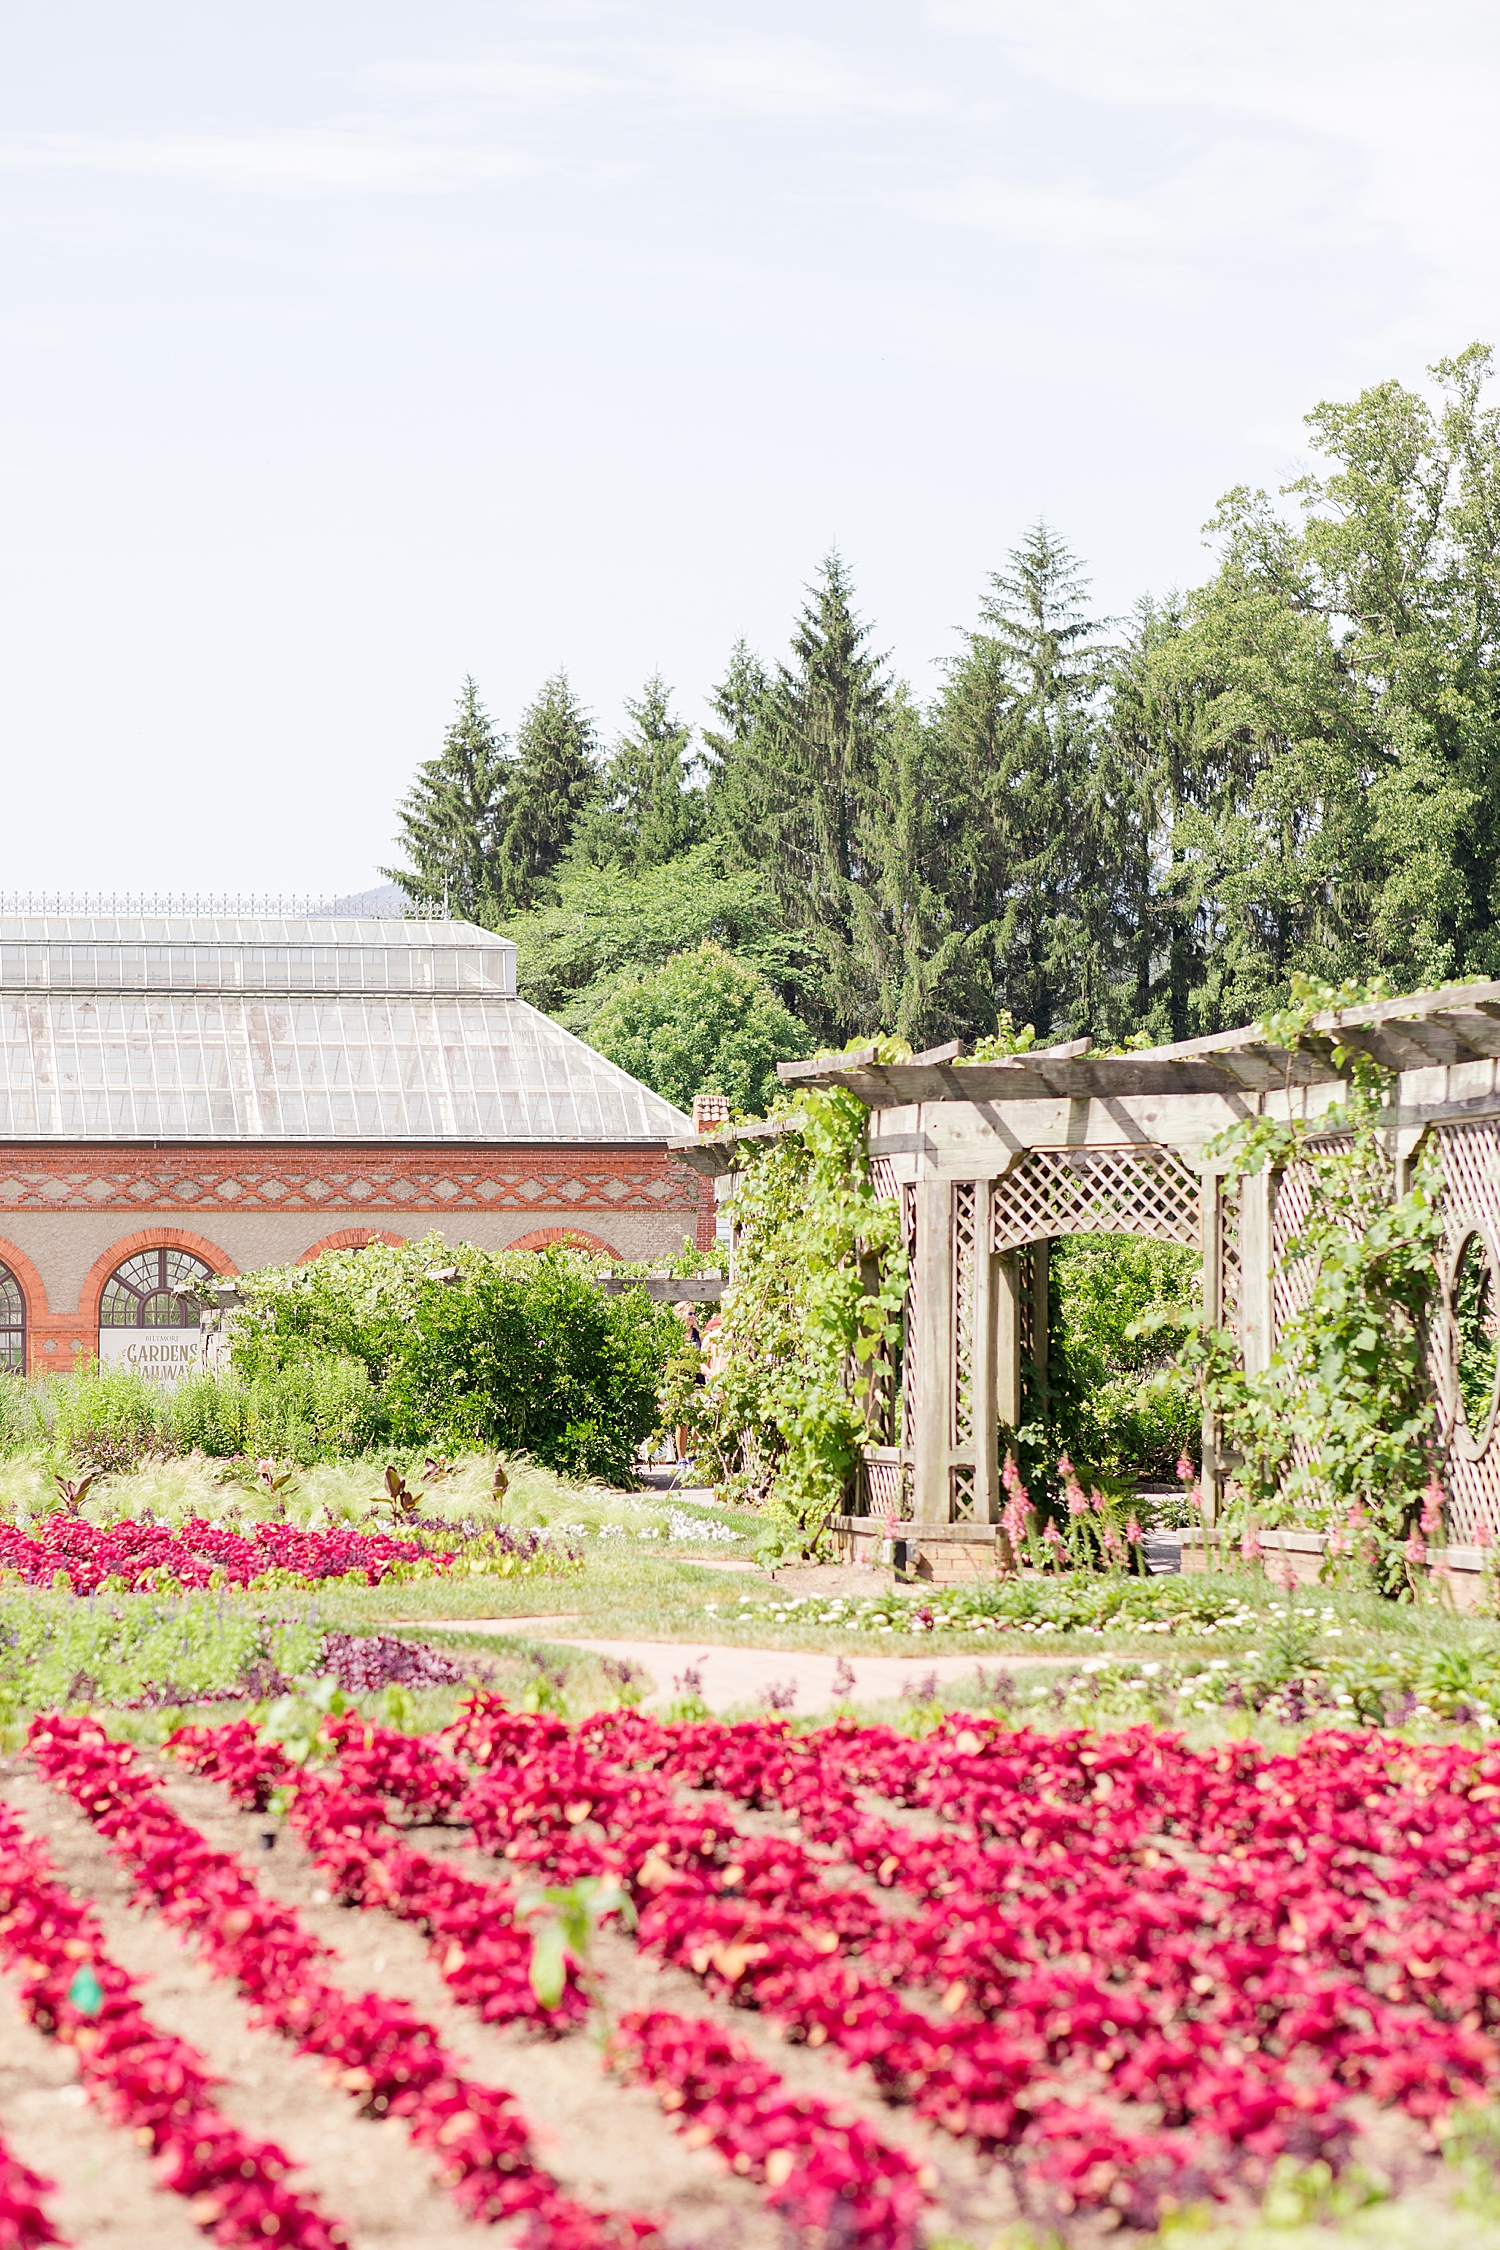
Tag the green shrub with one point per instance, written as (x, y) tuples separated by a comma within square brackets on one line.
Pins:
[(1116, 1401), (22, 1422), (466, 1348), (320, 1408), (108, 1417), (704, 1021)]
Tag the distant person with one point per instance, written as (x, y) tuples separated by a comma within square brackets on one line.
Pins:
[(687, 1313)]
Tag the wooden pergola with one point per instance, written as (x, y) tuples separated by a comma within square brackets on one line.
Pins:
[(993, 1160)]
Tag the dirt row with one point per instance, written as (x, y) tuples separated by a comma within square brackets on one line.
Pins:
[(607, 2143)]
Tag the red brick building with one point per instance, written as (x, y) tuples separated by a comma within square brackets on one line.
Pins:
[(186, 1096)]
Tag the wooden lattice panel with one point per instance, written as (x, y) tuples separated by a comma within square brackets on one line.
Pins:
[(1470, 1160), (968, 1200), (1149, 1191), (1026, 1304), (883, 1486), (1291, 1285), (1229, 1259), (961, 1493), (883, 1179), (909, 1322)]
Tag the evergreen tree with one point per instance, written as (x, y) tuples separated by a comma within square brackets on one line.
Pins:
[(1154, 706), (929, 972), (553, 776), (453, 819), (736, 703), (801, 783), (648, 810), (1037, 865)]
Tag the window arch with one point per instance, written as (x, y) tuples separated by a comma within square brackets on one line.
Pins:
[(12, 1323), (154, 1289)]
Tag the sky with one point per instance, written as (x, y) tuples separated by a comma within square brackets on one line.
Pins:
[(350, 347)]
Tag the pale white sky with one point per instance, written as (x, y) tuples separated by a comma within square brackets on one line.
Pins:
[(349, 346)]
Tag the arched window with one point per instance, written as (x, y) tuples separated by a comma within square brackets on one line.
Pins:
[(12, 1323), (154, 1289)]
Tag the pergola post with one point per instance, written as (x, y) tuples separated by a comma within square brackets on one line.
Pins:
[(1007, 1289), (986, 1412), (1211, 1218), (1257, 1201), (934, 1310), (1041, 1303)]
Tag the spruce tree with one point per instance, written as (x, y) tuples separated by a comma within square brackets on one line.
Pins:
[(648, 809), (1036, 866), (801, 784), (927, 968), (736, 703), (554, 774), (453, 819)]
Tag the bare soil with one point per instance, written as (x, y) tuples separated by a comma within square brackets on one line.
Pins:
[(607, 2143)]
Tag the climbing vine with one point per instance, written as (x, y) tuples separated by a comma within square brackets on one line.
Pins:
[(1339, 1431), (811, 1322)]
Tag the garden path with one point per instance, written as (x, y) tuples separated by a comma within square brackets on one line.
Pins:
[(731, 1676)]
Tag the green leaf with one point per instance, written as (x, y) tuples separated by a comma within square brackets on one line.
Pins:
[(549, 1964), (85, 1992)]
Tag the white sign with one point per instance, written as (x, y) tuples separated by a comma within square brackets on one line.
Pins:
[(162, 1355)]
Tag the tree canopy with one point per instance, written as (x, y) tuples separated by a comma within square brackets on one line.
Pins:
[(1133, 829), (702, 1023)]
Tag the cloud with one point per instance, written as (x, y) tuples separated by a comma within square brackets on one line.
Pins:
[(435, 125), (1392, 113), (795, 78), (313, 161), (1235, 188)]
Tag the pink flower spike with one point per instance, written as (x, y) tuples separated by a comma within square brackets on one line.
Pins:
[(1133, 1532), (1432, 1508)]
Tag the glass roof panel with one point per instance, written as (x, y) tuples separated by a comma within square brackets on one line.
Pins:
[(324, 1031), (74, 952)]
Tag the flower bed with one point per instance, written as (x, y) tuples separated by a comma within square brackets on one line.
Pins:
[(1135, 1973), (1173, 1937), (24, 2224), (134, 1555), (142, 2077), (822, 2173), (1083, 1601), (379, 2051)]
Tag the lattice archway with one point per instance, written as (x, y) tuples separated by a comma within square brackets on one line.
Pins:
[(981, 1245), (1133, 1190)]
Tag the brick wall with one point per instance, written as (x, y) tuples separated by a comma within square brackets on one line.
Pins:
[(65, 1212)]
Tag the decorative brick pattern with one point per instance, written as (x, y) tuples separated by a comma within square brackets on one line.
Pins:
[(336, 1180)]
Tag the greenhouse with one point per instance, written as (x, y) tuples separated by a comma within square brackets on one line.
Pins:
[(190, 1097)]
